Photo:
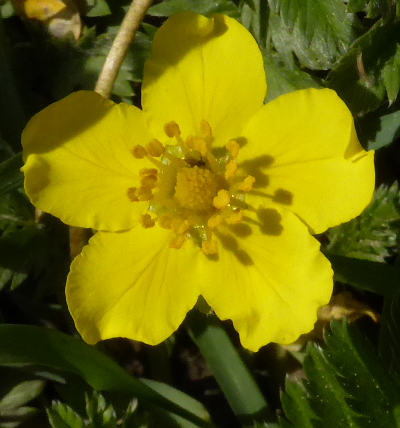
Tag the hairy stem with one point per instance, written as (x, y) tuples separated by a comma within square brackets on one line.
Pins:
[(119, 48)]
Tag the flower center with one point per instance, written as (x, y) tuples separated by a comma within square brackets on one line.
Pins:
[(191, 191), (195, 188)]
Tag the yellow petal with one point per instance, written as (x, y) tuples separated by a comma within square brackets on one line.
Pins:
[(304, 152), (203, 69), (270, 279), (79, 164), (132, 284)]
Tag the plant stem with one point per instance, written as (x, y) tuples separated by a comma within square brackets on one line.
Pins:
[(235, 380), (119, 48)]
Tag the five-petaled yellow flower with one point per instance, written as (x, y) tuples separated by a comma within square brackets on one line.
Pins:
[(206, 191)]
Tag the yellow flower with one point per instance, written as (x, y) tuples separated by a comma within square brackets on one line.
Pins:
[(206, 191)]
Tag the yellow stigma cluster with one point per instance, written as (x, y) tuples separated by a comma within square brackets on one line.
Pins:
[(190, 191)]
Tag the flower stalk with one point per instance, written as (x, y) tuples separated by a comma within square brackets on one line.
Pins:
[(119, 48)]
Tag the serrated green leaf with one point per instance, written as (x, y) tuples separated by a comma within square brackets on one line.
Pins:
[(358, 75), (29, 345), (347, 385), (62, 416), (391, 75), (205, 7), (376, 132), (317, 31), (374, 234), (21, 394), (282, 80), (10, 175)]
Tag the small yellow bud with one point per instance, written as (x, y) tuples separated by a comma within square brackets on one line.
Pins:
[(233, 148), (132, 194), (209, 247), (146, 221), (205, 129)]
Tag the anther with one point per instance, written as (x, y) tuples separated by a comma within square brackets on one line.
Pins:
[(247, 184), (205, 129), (234, 218), (209, 247), (146, 221), (144, 194), (165, 221), (180, 226), (155, 148), (149, 181), (222, 199), (200, 145), (145, 172), (172, 129), (230, 169), (139, 152), (132, 194), (177, 241), (233, 148), (214, 221)]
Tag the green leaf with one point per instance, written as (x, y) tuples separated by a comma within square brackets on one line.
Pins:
[(99, 8), (317, 31), (347, 385), (358, 75), (282, 80), (376, 132), (21, 394), (62, 416), (356, 5), (379, 278), (391, 75), (205, 7), (372, 235), (11, 177), (29, 345), (389, 336)]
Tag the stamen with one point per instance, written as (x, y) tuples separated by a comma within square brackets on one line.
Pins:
[(155, 148), (222, 199), (247, 184), (230, 169), (214, 221), (149, 181), (144, 194), (234, 218), (177, 241), (172, 129), (165, 221), (147, 221), (205, 129), (139, 152), (132, 194), (180, 226), (209, 247), (233, 148), (145, 172), (200, 145)]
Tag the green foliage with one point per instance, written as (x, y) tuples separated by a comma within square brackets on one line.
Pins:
[(205, 7), (347, 385), (369, 69), (374, 234), (99, 414), (28, 345), (317, 31)]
